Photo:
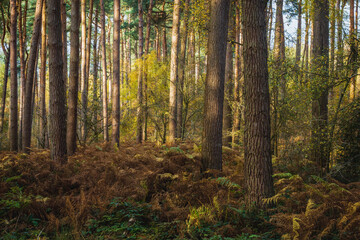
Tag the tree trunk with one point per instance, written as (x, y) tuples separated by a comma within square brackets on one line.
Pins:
[(237, 77), (26, 137), (56, 79), (353, 51), (83, 72), (214, 86), (140, 78), (319, 85), (116, 76), (182, 62), (257, 151), (298, 40), (64, 40), (95, 69), (147, 46), (332, 46), (13, 126), (74, 77), (174, 73), (228, 96), (3, 98), (104, 80), (42, 88)]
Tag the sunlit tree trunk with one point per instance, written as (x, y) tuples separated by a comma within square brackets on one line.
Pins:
[(104, 77), (74, 77), (64, 40), (30, 73), (42, 88), (298, 40), (257, 147), (83, 77), (174, 72), (57, 84), (353, 51), (13, 127), (116, 76), (211, 152), (228, 95), (140, 77)]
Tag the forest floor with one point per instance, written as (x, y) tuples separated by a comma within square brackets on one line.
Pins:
[(155, 192)]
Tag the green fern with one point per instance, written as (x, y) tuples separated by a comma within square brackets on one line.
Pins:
[(223, 181)]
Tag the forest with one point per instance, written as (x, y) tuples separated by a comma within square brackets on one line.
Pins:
[(179, 119)]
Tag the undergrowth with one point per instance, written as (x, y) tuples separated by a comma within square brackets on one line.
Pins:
[(150, 192)]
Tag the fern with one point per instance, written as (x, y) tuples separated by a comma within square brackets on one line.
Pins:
[(223, 181), (282, 175), (296, 227)]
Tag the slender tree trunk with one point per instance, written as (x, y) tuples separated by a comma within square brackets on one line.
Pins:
[(57, 89), (104, 80), (26, 137), (13, 128), (64, 40), (237, 77), (214, 87), (340, 45), (74, 77), (182, 63), (83, 71), (147, 46), (116, 76), (42, 88), (332, 45), (320, 68), (270, 22), (164, 45), (140, 78), (257, 147), (95, 69), (227, 137), (174, 73)]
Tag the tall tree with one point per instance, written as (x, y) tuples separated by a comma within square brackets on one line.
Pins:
[(140, 111), (257, 151), (64, 40), (298, 38), (57, 88), (320, 68), (116, 76), (83, 70), (353, 51), (214, 86), (74, 77), (104, 76), (42, 88), (174, 72), (30, 73), (13, 128)]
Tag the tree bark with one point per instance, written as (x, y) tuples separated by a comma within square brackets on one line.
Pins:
[(140, 78), (6, 70), (104, 80), (298, 40), (83, 71), (182, 63), (56, 79), (64, 40), (319, 85), (353, 51), (42, 88), (257, 151), (13, 128), (26, 137), (116, 76), (228, 96), (174, 73), (74, 77), (214, 86)]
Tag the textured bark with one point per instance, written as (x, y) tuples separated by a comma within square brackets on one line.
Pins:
[(30, 73), (228, 96), (83, 71), (147, 46), (57, 88), (182, 62), (174, 73), (139, 127), (237, 78), (64, 40), (279, 58), (104, 76), (211, 152), (320, 68), (13, 128), (74, 77), (257, 152), (116, 76), (42, 87)]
